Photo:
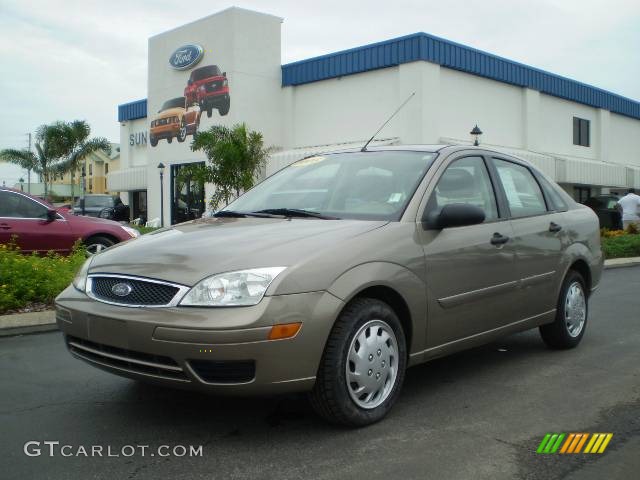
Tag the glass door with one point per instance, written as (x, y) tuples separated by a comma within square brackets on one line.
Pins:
[(187, 188)]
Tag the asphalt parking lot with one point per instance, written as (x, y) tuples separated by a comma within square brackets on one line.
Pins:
[(478, 414)]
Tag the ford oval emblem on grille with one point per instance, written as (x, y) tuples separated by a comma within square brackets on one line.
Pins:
[(121, 289)]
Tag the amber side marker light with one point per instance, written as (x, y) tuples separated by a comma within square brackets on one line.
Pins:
[(285, 330)]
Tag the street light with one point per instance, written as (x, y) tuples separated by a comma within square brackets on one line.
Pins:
[(84, 184), (161, 170), (475, 133), (21, 182)]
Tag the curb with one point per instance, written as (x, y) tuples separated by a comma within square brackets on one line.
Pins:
[(621, 262), (25, 323)]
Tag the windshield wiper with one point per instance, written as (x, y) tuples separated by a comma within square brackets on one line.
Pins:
[(296, 212), (234, 214)]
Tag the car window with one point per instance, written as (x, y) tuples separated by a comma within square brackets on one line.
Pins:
[(553, 195), (523, 192), (18, 206), (356, 185), (465, 180), (92, 202)]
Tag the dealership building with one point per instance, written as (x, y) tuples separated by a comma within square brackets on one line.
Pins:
[(226, 68)]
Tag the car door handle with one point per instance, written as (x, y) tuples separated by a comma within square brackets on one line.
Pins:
[(499, 239), (554, 227), (5, 226)]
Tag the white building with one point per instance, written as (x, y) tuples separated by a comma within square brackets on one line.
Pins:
[(586, 138)]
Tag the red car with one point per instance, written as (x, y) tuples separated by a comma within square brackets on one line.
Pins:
[(39, 227), (209, 87)]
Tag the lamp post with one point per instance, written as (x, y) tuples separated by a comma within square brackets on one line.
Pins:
[(84, 180), (475, 133), (161, 170), (21, 181)]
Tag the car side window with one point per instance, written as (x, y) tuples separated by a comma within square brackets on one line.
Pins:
[(23, 207), (521, 188), (466, 180)]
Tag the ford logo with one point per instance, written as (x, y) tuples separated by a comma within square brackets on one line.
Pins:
[(186, 57), (121, 289)]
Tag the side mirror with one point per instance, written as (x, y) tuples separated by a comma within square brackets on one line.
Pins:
[(51, 215), (454, 215)]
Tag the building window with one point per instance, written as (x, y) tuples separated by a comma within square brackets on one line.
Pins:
[(582, 194), (105, 184), (91, 169), (581, 132), (90, 184), (106, 168)]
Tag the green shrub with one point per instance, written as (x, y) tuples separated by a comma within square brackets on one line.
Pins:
[(143, 229), (26, 279), (621, 246)]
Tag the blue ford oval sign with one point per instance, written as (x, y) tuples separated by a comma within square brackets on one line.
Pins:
[(186, 57)]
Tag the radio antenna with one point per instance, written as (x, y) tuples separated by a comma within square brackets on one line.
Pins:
[(364, 149)]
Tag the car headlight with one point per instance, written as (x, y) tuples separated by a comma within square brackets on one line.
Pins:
[(133, 233), (80, 280), (231, 289)]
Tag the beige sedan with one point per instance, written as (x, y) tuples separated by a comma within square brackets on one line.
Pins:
[(337, 273)]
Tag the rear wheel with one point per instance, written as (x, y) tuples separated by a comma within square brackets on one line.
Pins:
[(95, 245), (571, 314), (363, 365), (224, 108)]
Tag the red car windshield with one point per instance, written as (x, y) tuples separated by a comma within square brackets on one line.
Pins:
[(205, 72)]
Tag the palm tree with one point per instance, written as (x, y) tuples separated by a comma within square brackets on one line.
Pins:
[(71, 140), (236, 156), (43, 161)]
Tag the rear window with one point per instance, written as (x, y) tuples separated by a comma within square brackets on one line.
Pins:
[(96, 202), (204, 72)]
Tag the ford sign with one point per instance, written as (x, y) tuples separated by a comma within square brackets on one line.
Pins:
[(186, 57)]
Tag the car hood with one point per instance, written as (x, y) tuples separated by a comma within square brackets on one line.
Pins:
[(191, 251), (170, 112)]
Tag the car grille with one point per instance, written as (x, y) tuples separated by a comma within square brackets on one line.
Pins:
[(142, 292), (224, 371), (126, 360), (210, 87)]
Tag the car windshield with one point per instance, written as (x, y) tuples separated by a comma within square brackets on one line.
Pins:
[(100, 201), (173, 103), (360, 185), (204, 72)]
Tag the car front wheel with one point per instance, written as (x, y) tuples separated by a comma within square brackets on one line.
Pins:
[(571, 314), (363, 365)]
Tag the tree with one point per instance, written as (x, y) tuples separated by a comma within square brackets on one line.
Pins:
[(43, 161), (236, 157), (71, 141)]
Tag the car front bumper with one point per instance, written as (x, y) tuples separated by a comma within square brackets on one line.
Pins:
[(165, 131), (221, 350)]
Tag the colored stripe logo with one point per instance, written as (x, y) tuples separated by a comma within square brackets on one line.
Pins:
[(574, 443)]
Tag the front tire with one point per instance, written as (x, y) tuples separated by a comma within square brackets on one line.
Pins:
[(363, 365), (571, 314), (95, 245), (182, 133)]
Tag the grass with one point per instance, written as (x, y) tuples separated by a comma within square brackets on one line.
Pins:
[(621, 246), (33, 279), (143, 229)]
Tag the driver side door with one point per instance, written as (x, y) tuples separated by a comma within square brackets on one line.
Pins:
[(470, 270)]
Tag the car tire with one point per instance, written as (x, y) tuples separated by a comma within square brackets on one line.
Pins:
[(169, 139), (381, 365), (96, 244), (154, 141), (224, 109), (572, 312), (182, 133)]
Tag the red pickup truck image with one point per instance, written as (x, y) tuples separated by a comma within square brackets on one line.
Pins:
[(178, 118), (208, 87)]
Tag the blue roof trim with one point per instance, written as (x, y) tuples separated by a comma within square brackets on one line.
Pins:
[(422, 46), (132, 110)]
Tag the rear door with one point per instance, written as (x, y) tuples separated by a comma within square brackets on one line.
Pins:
[(470, 270), (538, 235), (26, 219)]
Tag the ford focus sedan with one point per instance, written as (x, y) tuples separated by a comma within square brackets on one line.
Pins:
[(337, 273)]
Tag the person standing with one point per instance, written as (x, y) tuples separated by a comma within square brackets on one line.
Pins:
[(630, 206)]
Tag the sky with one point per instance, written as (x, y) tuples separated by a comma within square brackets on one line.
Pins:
[(66, 60)]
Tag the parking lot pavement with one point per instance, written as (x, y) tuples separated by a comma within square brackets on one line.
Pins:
[(478, 414)]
